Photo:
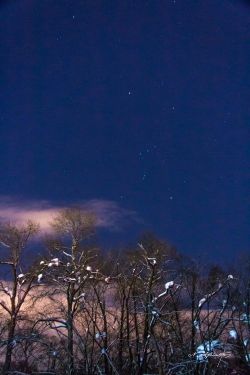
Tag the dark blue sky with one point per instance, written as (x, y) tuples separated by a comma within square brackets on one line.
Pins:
[(144, 104)]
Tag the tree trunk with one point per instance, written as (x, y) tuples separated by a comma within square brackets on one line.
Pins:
[(70, 343), (9, 349)]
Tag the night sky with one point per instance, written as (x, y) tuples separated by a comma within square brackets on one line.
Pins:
[(138, 109)]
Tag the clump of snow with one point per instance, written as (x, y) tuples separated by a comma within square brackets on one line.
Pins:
[(58, 325), (245, 318), (247, 355), (152, 261), (201, 302), (196, 324), (224, 302), (70, 279), (233, 334), (169, 284), (203, 350), (246, 342), (55, 262), (100, 335), (155, 312)]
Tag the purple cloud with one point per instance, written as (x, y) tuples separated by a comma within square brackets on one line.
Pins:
[(109, 214)]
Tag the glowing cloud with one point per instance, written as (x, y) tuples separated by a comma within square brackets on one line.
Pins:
[(109, 214)]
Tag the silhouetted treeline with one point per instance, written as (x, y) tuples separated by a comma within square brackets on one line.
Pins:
[(144, 310)]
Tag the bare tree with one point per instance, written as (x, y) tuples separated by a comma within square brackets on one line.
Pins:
[(15, 239), (70, 270)]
